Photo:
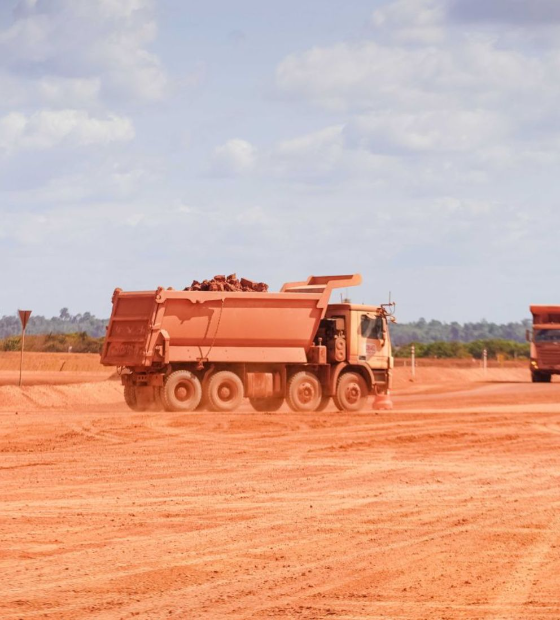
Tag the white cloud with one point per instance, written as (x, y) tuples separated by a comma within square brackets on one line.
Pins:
[(315, 142), (323, 157), (234, 157), (55, 90), (49, 91), (411, 21), (102, 46), (369, 75), (46, 129), (423, 85), (311, 156), (431, 131)]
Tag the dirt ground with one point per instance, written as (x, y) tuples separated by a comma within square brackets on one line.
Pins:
[(448, 507)]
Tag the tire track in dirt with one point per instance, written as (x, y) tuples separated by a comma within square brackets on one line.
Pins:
[(90, 432), (511, 602), (398, 515)]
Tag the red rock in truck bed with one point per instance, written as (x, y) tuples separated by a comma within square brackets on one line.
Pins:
[(230, 284)]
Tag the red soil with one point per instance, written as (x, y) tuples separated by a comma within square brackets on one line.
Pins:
[(445, 508)]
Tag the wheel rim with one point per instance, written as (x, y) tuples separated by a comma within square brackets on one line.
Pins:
[(353, 393), (226, 392), (184, 391), (306, 392)]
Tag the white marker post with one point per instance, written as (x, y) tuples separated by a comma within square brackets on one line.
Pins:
[(412, 363), (484, 360), (24, 318)]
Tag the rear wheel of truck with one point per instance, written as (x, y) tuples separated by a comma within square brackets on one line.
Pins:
[(267, 404), (304, 392), (158, 399), (351, 392), (182, 391), (145, 398), (131, 398), (224, 391)]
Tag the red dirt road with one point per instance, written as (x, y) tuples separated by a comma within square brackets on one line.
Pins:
[(447, 508)]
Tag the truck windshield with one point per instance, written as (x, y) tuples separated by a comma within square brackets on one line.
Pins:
[(547, 335), (372, 327)]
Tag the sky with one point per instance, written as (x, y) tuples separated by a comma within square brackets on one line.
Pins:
[(147, 143)]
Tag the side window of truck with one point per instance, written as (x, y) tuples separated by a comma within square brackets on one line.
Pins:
[(372, 327)]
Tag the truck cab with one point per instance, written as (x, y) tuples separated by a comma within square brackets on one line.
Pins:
[(367, 342), (545, 343)]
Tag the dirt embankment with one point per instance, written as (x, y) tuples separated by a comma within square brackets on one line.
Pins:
[(60, 397), (430, 377), (53, 362), (52, 369)]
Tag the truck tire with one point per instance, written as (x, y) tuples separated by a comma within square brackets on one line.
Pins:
[(351, 392), (142, 398), (304, 392), (182, 391), (224, 391), (267, 404), (540, 377), (158, 399), (131, 399)]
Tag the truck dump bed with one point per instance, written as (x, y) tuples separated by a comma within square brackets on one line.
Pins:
[(165, 326)]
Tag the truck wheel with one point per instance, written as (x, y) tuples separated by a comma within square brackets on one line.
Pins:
[(304, 392), (131, 398), (182, 391), (224, 391), (267, 404), (540, 377), (141, 398), (351, 392), (158, 399)]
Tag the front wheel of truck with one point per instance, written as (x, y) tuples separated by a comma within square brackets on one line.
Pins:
[(182, 391), (540, 377), (351, 392)]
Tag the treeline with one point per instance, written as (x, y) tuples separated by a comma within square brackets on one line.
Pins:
[(427, 332), (431, 338), (495, 348), (64, 323), (54, 343)]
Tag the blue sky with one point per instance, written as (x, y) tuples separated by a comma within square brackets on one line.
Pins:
[(148, 143)]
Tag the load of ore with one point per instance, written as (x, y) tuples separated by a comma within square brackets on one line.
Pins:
[(229, 283)]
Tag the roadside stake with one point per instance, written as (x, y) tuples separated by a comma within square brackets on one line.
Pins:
[(24, 318)]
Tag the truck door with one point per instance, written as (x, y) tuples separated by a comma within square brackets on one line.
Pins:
[(372, 338)]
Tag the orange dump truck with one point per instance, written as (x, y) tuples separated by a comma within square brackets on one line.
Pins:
[(186, 350), (545, 343)]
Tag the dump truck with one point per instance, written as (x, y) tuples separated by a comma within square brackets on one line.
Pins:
[(187, 350), (545, 343)]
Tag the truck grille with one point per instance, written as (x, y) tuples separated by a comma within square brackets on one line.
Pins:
[(548, 357)]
